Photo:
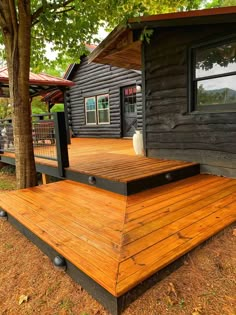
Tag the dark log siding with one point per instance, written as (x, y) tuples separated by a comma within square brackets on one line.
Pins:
[(91, 80), (172, 131)]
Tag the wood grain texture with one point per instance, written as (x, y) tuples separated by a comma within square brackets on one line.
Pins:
[(119, 241), (113, 159)]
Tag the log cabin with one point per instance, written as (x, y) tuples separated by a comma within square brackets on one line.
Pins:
[(118, 219), (188, 61), (105, 102)]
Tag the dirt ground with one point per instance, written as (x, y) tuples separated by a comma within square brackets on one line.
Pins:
[(205, 284)]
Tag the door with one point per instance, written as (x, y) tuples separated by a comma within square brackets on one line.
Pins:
[(129, 110)]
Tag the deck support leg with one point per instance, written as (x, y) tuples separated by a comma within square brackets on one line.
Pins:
[(45, 179)]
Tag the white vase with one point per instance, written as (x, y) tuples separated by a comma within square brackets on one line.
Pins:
[(138, 142)]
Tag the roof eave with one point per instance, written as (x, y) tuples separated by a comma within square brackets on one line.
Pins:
[(196, 17), (117, 32)]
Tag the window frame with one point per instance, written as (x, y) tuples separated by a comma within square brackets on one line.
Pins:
[(107, 109), (192, 80), (97, 122), (86, 111)]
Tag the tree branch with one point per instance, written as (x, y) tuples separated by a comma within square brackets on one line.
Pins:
[(12, 7), (45, 6), (3, 22), (57, 12)]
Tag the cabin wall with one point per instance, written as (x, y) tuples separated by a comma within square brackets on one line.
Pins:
[(94, 79), (171, 130)]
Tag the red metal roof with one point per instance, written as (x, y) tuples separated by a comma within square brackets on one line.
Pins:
[(54, 97), (185, 14), (38, 79), (90, 47)]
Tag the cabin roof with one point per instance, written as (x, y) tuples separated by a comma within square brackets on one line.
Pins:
[(120, 48), (38, 83)]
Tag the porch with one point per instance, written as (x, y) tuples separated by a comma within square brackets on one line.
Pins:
[(111, 164)]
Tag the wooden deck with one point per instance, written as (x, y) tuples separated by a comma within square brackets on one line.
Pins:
[(114, 160), (117, 240)]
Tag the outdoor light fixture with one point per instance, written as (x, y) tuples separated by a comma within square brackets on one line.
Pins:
[(59, 263), (3, 215), (138, 88), (169, 177), (92, 180)]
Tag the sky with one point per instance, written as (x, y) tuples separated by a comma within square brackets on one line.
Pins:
[(51, 55), (218, 83)]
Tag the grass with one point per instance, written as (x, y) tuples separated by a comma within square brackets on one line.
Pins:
[(7, 178)]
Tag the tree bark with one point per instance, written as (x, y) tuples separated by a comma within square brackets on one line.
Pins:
[(17, 34)]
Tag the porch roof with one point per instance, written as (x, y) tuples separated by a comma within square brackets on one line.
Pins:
[(39, 84), (122, 49)]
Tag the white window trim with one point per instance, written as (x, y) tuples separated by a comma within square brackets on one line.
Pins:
[(86, 111), (97, 110), (107, 109)]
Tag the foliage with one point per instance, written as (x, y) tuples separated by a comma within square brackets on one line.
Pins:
[(67, 25), (38, 107), (7, 170), (215, 97), (146, 35), (30, 26), (5, 109), (222, 55), (220, 3), (57, 108)]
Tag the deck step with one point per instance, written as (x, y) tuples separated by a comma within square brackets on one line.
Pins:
[(113, 242), (129, 185)]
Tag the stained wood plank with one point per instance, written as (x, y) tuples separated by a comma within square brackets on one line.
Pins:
[(119, 241), (76, 251), (176, 188), (147, 210), (112, 159), (163, 232), (169, 210), (172, 248)]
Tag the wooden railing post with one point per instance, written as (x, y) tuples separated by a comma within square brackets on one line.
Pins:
[(61, 141)]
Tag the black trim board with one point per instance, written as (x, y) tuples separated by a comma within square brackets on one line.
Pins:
[(162, 179), (49, 170), (111, 303), (141, 184), (41, 168), (7, 160), (115, 305), (103, 183), (122, 188)]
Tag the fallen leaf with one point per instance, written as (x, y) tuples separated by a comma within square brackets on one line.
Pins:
[(171, 288), (23, 298), (197, 311)]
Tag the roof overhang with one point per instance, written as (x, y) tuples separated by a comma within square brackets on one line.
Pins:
[(122, 49), (39, 84)]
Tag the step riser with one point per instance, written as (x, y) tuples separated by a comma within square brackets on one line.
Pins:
[(138, 185)]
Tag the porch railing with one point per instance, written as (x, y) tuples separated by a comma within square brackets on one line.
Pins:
[(49, 138)]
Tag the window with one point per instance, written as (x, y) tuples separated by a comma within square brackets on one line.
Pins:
[(130, 99), (97, 109), (90, 108), (214, 77), (103, 109)]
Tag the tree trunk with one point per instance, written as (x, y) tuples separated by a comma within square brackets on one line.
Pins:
[(17, 34)]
